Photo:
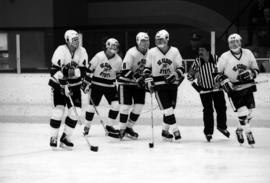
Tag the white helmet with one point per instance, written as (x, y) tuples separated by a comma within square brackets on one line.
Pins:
[(235, 41), (72, 37), (141, 36), (162, 38), (112, 45)]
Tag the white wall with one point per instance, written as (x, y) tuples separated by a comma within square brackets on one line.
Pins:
[(30, 95)]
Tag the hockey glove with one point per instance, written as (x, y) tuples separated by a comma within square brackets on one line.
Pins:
[(171, 78), (140, 82), (224, 83), (196, 87), (71, 72), (190, 78), (246, 75), (149, 82), (86, 84)]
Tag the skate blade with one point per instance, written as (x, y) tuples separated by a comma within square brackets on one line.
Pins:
[(63, 146), (113, 135), (131, 137)]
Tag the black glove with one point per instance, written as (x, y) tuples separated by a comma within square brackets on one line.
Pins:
[(224, 83), (86, 84), (246, 75), (196, 87), (190, 78), (140, 82), (71, 71), (171, 78), (149, 84)]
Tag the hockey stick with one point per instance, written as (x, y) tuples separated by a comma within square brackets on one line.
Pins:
[(92, 148), (151, 144), (113, 135), (231, 102), (247, 85)]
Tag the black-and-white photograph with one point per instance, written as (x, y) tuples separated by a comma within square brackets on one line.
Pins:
[(137, 91)]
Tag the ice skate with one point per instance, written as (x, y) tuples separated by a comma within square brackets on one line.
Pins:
[(239, 135), (111, 129), (65, 142), (122, 133), (208, 137), (250, 138), (177, 135), (166, 135), (224, 132), (53, 142), (130, 133), (86, 130)]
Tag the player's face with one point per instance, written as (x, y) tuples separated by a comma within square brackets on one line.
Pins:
[(144, 45), (161, 43), (114, 48), (74, 43), (234, 45)]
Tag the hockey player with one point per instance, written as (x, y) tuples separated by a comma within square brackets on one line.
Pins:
[(237, 67), (164, 73), (69, 63), (131, 85), (105, 66)]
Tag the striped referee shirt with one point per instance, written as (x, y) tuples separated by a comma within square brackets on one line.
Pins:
[(203, 71)]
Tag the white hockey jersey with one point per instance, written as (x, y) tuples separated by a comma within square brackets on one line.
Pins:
[(104, 69), (163, 64), (134, 61), (230, 65), (62, 57)]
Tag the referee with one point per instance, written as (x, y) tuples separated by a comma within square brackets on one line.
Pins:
[(203, 70)]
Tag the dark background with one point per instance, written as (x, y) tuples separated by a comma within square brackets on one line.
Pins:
[(41, 24)]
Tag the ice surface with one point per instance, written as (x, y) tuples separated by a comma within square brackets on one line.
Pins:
[(25, 156)]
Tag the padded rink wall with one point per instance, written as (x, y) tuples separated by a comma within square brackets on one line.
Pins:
[(28, 96)]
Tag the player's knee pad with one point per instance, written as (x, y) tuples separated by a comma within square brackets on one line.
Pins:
[(168, 111), (137, 109), (115, 105), (124, 109), (55, 123), (70, 122), (170, 120), (242, 113), (58, 112), (113, 114), (133, 117)]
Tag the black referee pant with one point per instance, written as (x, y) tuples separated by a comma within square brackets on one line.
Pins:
[(218, 99)]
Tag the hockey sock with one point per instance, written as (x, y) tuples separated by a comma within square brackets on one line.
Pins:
[(55, 125), (89, 117), (69, 126), (112, 116), (132, 119)]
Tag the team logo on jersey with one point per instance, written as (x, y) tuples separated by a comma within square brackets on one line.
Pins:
[(164, 63), (239, 67), (106, 70)]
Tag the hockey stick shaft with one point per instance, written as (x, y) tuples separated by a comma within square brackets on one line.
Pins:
[(79, 120), (100, 120), (243, 86), (152, 118)]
